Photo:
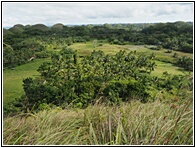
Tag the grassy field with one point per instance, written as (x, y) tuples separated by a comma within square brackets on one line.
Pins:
[(87, 48), (12, 79), (132, 123), (171, 69), (163, 52)]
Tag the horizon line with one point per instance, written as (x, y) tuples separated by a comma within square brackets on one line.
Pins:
[(80, 24)]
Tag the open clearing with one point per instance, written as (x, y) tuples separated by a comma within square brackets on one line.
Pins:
[(12, 79)]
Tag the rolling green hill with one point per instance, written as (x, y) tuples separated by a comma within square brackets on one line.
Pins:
[(41, 27), (58, 27), (17, 28)]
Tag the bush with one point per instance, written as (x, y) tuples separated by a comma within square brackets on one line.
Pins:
[(42, 54), (168, 51), (185, 62), (118, 91)]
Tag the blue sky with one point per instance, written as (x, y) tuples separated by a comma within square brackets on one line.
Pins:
[(50, 13)]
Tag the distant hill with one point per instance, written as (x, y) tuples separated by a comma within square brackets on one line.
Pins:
[(57, 26), (41, 27), (27, 26), (6, 32), (19, 25), (182, 24), (17, 28)]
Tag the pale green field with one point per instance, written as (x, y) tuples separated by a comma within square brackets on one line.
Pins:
[(12, 79), (163, 67), (87, 48), (163, 52), (84, 48)]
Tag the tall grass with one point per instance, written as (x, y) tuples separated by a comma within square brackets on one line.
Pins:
[(131, 123)]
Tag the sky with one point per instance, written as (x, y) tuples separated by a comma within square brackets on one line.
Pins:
[(78, 13)]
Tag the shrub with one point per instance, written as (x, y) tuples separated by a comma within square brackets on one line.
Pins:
[(185, 62)]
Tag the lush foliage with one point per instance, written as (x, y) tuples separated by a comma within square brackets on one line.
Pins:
[(170, 36), (185, 62), (21, 51)]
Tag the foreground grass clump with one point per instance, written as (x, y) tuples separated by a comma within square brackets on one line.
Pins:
[(132, 123)]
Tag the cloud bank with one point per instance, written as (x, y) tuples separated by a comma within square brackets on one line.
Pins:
[(50, 13)]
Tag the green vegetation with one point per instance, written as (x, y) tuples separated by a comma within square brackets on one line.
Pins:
[(111, 84)]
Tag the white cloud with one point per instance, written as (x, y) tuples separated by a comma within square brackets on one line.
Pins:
[(50, 13)]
